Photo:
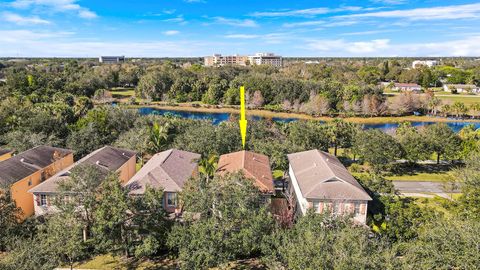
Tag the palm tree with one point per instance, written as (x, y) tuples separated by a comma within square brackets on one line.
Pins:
[(208, 166), (475, 108), (433, 104), (446, 109), (158, 137)]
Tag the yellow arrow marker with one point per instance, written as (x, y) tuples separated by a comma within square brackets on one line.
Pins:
[(243, 121)]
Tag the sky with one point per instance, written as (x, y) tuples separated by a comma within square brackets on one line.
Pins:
[(195, 28)]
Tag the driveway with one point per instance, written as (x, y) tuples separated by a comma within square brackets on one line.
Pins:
[(409, 188)]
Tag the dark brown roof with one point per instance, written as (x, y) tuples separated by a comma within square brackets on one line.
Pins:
[(168, 170), (253, 165), (107, 159), (29, 162), (321, 175), (5, 151)]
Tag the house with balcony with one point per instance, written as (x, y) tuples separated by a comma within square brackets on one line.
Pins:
[(321, 183)]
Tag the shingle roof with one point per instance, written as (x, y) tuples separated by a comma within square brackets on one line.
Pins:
[(168, 170), (322, 176), (29, 162), (253, 165), (5, 151), (107, 159)]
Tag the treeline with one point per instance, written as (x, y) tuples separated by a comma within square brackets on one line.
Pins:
[(331, 87), (224, 220)]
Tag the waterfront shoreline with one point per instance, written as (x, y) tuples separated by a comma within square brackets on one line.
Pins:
[(185, 107)]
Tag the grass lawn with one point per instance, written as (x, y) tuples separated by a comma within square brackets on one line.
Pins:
[(467, 99), (122, 93), (109, 261), (422, 172)]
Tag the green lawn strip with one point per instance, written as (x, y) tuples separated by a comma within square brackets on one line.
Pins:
[(468, 100), (420, 172), (420, 177), (108, 261), (122, 92)]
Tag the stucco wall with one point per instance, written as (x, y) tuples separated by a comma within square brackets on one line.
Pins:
[(347, 206), (19, 190), (5, 156)]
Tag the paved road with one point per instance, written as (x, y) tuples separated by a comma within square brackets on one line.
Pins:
[(411, 187)]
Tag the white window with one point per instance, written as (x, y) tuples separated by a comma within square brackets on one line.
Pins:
[(171, 199), (316, 206), (357, 209), (43, 200), (335, 208)]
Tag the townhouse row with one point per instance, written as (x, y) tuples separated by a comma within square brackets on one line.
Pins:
[(318, 180)]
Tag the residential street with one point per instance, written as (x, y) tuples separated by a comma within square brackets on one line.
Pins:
[(412, 188)]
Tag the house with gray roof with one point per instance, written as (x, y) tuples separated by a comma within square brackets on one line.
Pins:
[(106, 159), (168, 170), (29, 169), (321, 182), (5, 154)]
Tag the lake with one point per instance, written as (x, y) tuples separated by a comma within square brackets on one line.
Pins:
[(217, 118)]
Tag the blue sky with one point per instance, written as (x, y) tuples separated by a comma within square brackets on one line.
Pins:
[(159, 28)]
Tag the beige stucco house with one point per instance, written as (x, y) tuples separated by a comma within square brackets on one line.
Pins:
[(321, 182), (107, 159), (29, 169), (168, 170)]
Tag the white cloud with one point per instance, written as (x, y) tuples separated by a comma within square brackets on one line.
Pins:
[(25, 36), (307, 23), (39, 44), (309, 12), (242, 36), (171, 32), (384, 47), (390, 2), (57, 6), (20, 20), (363, 33), (432, 13), (235, 22), (179, 19)]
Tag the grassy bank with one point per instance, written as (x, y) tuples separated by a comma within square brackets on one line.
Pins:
[(270, 114)]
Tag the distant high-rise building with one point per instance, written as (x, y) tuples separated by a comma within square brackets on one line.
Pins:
[(221, 60), (241, 60), (428, 63), (111, 59), (266, 59)]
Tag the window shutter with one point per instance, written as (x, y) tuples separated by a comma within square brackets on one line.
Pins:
[(352, 208), (363, 209), (37, 199), (320, 207)]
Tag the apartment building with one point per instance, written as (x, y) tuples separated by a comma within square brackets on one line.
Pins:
[(241, 60), (222, 60), (111, 59), (266, 59)]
